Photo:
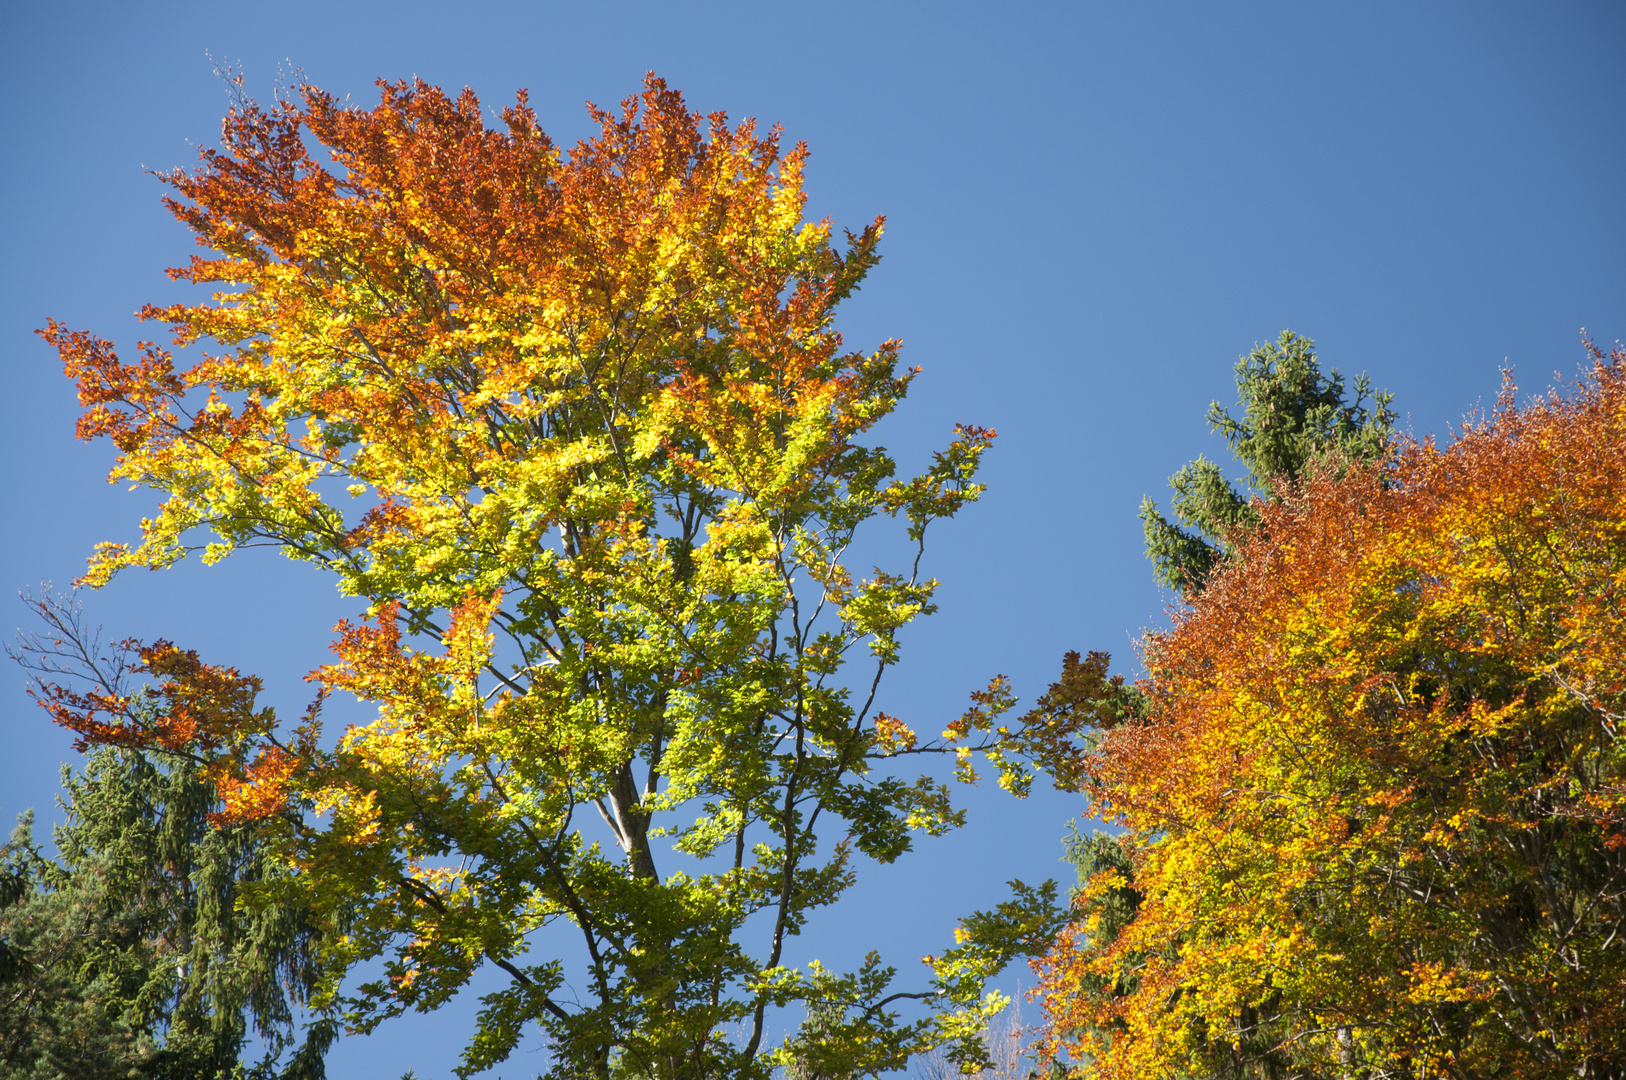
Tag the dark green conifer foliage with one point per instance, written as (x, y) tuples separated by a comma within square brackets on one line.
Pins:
[(1292, 415), (127, 954), (131, 953)]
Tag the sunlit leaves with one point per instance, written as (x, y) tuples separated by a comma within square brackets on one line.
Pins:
[(579, 431), (1373, 799)]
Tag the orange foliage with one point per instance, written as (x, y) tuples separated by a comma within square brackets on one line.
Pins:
[(262, 790), (592, 401), (195, 706), (1374, 812)]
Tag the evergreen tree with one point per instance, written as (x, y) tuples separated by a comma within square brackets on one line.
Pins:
[(132, 952), (1292, 415)]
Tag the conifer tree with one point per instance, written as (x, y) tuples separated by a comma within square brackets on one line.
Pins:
[(134, 951), (1292, 416)]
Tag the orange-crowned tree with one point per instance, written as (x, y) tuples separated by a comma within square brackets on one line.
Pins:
[(1375, 799)]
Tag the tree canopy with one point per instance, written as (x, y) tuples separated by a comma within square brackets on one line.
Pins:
[(577, 429), (1375, 803)]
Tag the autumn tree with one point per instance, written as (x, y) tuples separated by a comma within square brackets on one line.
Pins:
[(128, 952), (1375, 808), (1293, 416), (577, 430)]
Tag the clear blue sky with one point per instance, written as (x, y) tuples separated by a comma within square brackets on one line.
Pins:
[(1092, 209)]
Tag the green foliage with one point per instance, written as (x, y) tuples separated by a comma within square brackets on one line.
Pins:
[(1292, 416), (130, 953), (809, 1050), (614, 461)]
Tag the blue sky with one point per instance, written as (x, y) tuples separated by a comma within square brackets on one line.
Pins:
[(1092, 209)]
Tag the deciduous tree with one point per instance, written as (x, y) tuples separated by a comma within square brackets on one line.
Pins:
[(578, 430), (1293, 418), (1376, 804)]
